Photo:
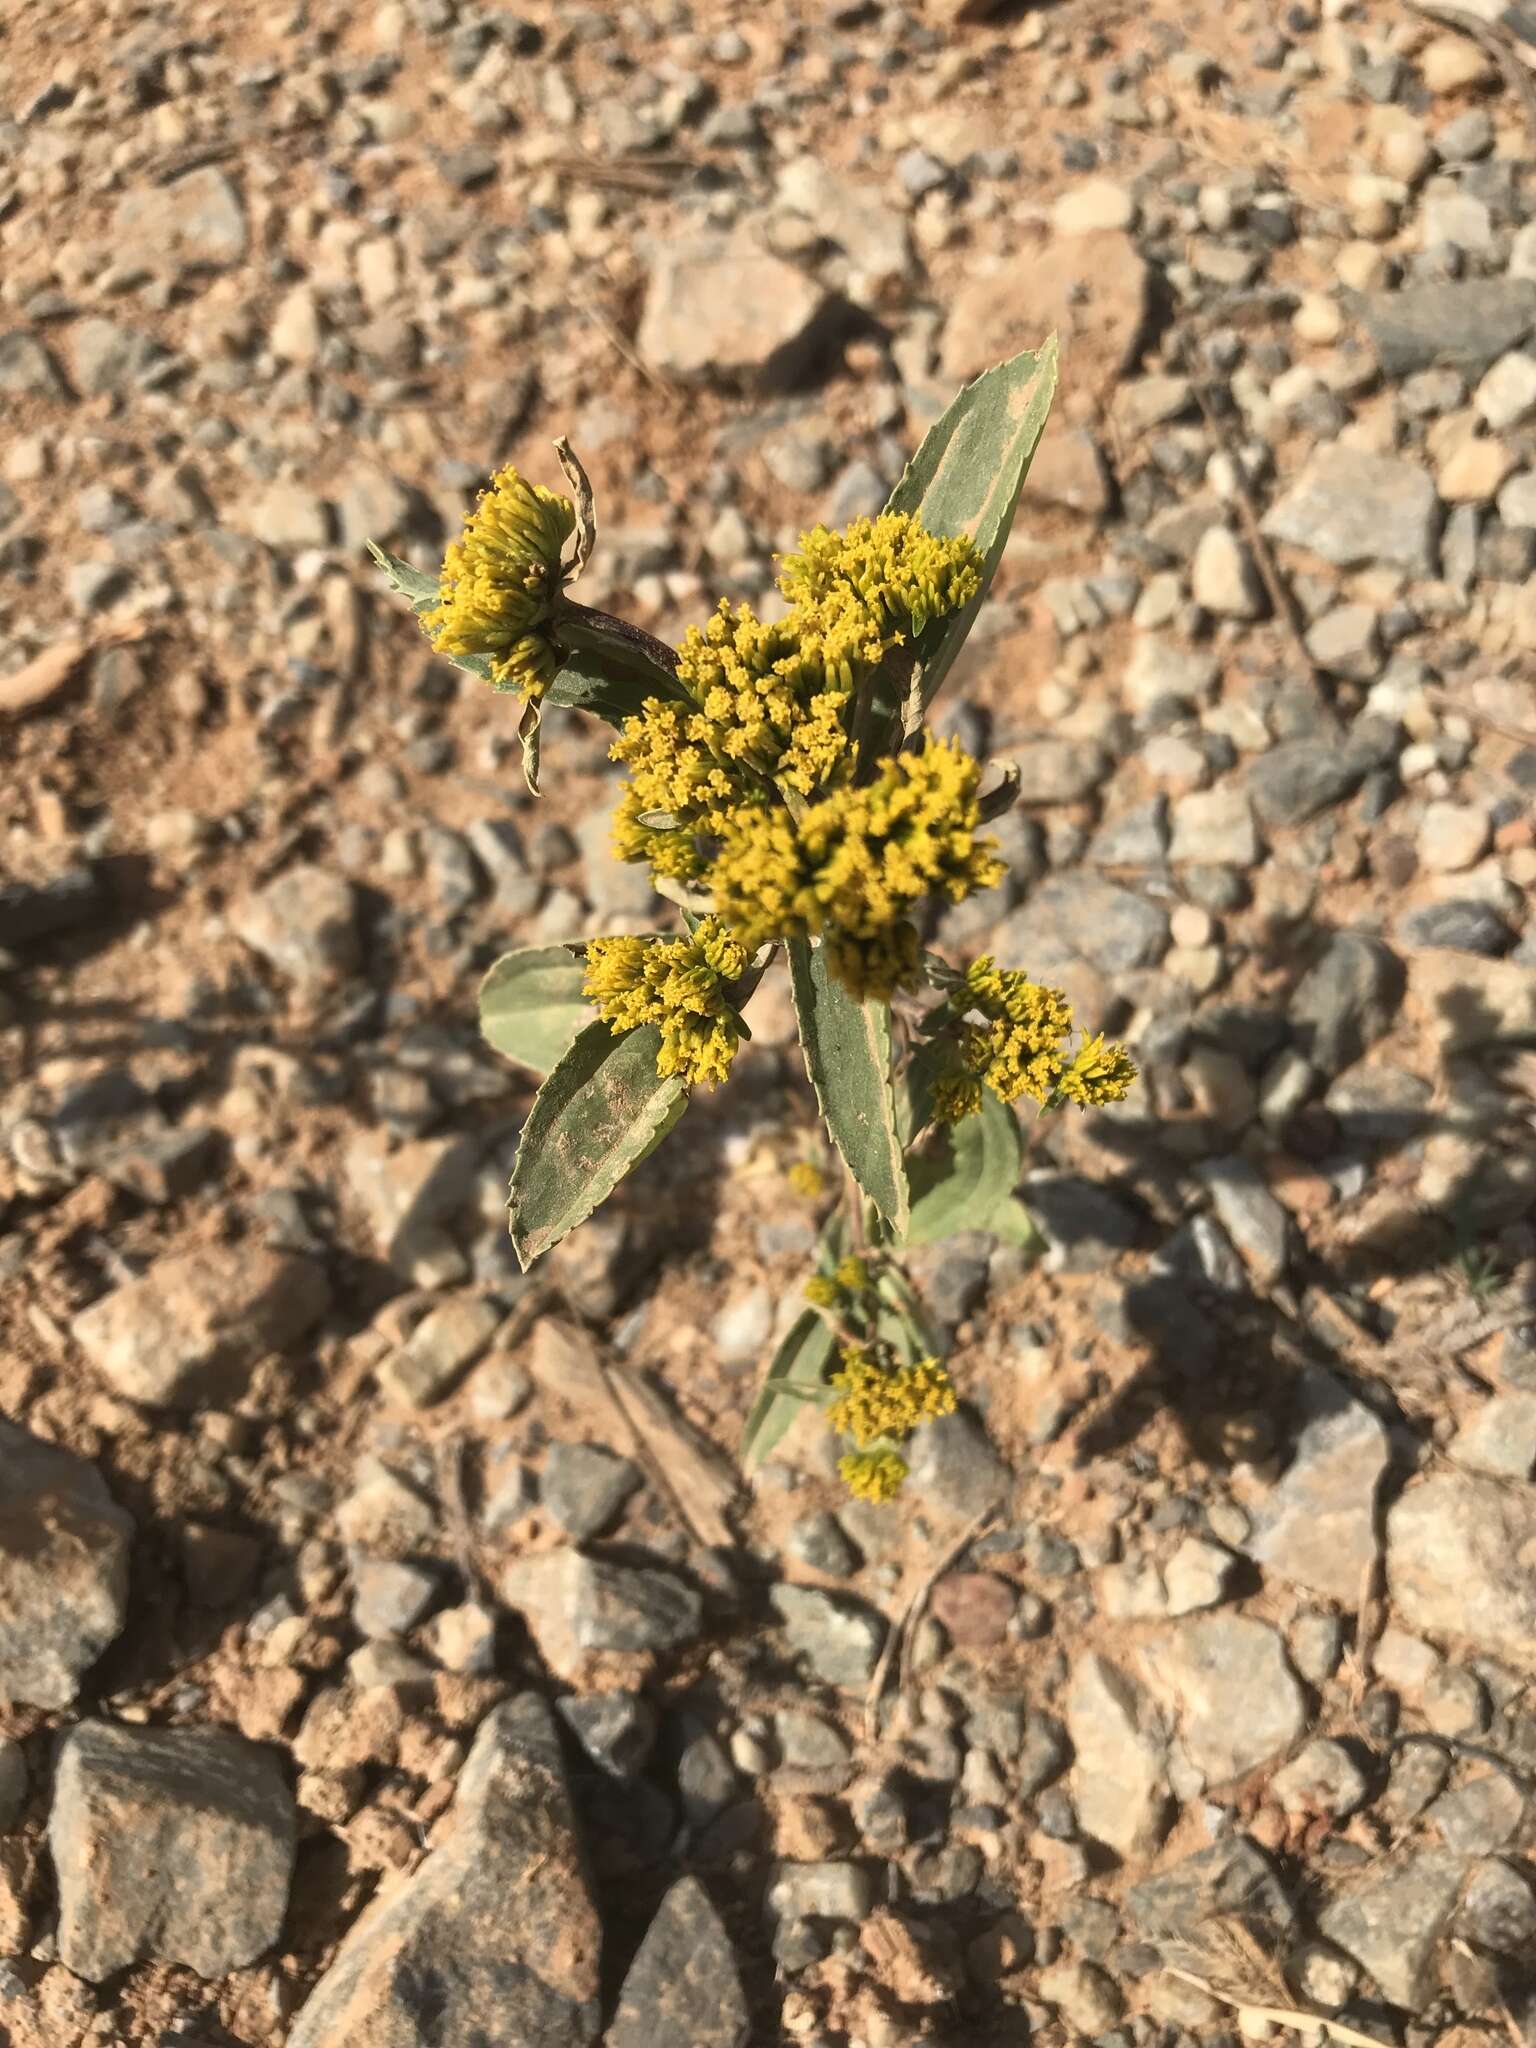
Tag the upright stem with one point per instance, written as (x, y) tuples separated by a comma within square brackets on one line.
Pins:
[(855, 1200)]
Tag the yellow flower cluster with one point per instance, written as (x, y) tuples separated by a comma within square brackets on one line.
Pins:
[(878, 1400), (856, 863), (848, 1277), (1021, 1049), (899, 575), (807, 1180), (675, 983), (499, 581), (772, 703), (876, 1476), (879, 1403)]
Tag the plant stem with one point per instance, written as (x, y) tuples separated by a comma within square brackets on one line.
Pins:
[(855, 1201)]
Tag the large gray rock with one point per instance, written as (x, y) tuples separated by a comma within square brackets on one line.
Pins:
[(1236, 1699), (955, 1466), (494, 1939), (1080, 917), (1461, 1562), (64, 1546), (720, 307), (1392, 1920), (195, 222), (1346, 1002), (1352, 507), (187, 1333), (27, 370), (1119, 1778), (576, 1606), (1233, 1876), (682, 1985), (840, 1639), (1318, 1526), (1468, 325), (304, 923), (169, 1845)]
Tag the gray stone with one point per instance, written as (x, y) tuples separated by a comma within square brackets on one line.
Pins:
[(1159, 671), (683, 1984), (954, 1465), (441, 1957), (1086, 1997), (304, 923), (170, 1845), (1461, 925), (288, 516), (1081, 918), (1295, 780), (188, 1332), (1461, 1562), (817, 1540), (64, 1545), (1085, 1225), (1257, 1223), (1467, 1003), (1236, 1698), (1482, 1814), (1500, 1438), (1498, 1908), (1392, 1918), (821, 1891), (1215, 827), (585, 1486), (1354, 507), (1233, 1876), (1468, 324), (441, 1348), (388, 1597), (616, 1729), (1137, 838), (1318, 1526), (574, 1605), (1057, 771), (111, 359), (840, 1639), (1119, 1777), (1347, 1000), (1344, 642), (195, 222), (1324, 1778), (27, 370), (720, 307)]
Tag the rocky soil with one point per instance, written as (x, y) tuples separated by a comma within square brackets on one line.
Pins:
[(389, 1651)]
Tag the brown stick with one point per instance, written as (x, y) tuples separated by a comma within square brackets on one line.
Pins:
[(1279, 591), (906, 1622), (1499, 45)]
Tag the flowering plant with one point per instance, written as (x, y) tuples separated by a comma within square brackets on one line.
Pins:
[(787, 796)]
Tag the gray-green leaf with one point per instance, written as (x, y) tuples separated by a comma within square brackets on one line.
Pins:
[(796, 1376), (415, 585), (531, 1005), (967, 476), (603, 1108), (847, 1047), (968, 1177)]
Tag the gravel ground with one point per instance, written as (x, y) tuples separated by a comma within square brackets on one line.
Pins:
[(389, 1651)]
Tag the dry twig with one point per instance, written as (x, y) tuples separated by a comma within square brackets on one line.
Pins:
[(902, 1629), (1499, 45)]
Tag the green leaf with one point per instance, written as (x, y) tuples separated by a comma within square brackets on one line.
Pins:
[(968, 1176), (611, 647), (847, 1047), (797, 1374), (967, 476), (531, 1005), (602, 1110), (605, 689), (415, 585)]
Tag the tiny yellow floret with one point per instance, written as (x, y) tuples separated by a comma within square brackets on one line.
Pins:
[(499, 581)]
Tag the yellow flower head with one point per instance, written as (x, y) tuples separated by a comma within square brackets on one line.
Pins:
[(857, 862), (1021, 1048), (876, 1476), (822, 1291), (851, 1274), (807, 1180), (499, 581), (677, 984), (878, 1400), (888, 569)]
